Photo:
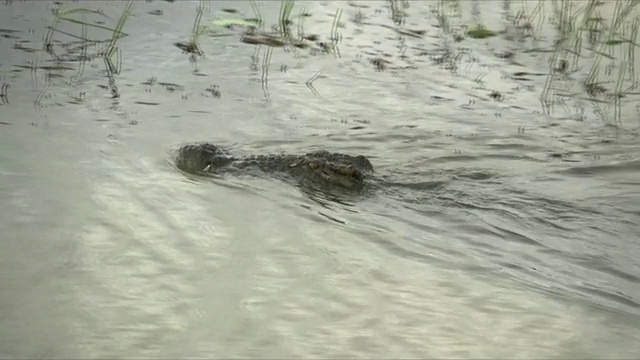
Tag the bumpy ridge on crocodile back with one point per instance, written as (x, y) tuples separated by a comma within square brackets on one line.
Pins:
[(359, 161), (320, 168)]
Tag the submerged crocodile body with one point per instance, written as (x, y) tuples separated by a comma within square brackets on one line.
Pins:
[(321, 169)]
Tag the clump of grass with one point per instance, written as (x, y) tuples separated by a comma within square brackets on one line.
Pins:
[(61, 14), (280, 36), (398, 14), (115, 36), (613, 38), (479, 31), (193, 45), (610, 54), (251, 24), (67, 15)]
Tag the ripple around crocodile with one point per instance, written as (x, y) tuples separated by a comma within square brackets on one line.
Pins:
[(322, 170)]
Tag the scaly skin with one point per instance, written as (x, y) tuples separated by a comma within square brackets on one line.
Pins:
[(319, 168)]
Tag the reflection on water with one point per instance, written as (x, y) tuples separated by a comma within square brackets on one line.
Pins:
[(491, 229)]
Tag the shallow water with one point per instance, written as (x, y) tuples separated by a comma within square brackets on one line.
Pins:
[(502, 231)]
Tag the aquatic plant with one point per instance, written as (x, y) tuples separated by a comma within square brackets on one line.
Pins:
[(193, 45), (61, 14), (577, 21), (253, 34), (78, 16), (112, 48), (286, 6), (479, 31)]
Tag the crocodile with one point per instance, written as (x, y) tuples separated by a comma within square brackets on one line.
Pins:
[(321, 169)]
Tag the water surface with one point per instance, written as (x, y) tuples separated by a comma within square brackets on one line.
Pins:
[(504, 229)]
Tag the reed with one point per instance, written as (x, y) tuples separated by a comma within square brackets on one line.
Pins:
[(286, 7), (608, 54), (112, 47)]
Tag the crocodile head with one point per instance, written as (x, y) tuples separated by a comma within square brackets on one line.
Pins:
[(198, 158)]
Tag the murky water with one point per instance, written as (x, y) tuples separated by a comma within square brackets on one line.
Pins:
[(506, 230)]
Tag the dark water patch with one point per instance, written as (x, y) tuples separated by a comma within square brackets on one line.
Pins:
[(563, 157), (541, 217), (44, 67), (512, 235), (598, 294), (146, 103), (10, 36), (628, 183), (520, 74), (472, 159), (621, 167), (328, 200), (334, 219), (18, 46), (391, 184), (200, 111), (189, 48), (601, 265), (474, 175), (171, 86), (452, 158), (9, 31)]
